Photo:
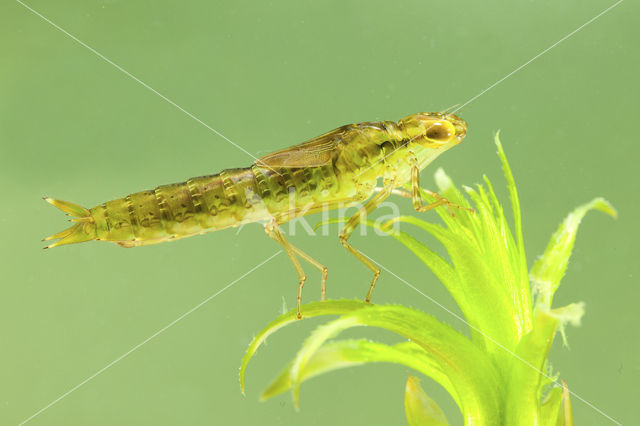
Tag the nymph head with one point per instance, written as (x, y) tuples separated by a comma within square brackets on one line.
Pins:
[(434, 129)]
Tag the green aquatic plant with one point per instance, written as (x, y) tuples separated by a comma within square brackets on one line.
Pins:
[(500, 375)]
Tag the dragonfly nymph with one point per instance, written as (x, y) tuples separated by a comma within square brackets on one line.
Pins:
[(337, 169)]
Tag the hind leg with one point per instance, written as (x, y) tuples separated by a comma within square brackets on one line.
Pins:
[(273, 230)]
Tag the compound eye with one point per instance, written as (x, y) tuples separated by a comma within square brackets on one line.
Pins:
[(440, 132)]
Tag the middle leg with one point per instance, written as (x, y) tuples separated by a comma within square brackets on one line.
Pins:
[(349, 227)]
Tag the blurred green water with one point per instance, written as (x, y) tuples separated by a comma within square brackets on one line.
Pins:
[(268, 75)]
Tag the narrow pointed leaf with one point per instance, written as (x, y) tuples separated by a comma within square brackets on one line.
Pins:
[(336, 307), (515, 200), (483, 299), (471, 373), (439, 266), (465, 222), (419, 408), (551, 407), (567, 412), (500, 252), (319, 336), (520, 257), (431, 366), (548, 270), (526, 375), (447, 189), (349, 353)]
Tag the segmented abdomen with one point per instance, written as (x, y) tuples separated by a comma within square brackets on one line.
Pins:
[(174, 211), (213, 202)]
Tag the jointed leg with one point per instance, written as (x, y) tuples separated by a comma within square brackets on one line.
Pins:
[(351, 225), (319, 266), (273, 230), (417, 197), (395, 191)]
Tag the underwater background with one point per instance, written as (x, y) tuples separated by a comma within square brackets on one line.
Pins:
[(268, 75)]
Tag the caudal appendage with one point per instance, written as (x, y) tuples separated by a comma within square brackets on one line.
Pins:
[(83, 230)]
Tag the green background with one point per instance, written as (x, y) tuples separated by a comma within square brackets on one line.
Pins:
[(269, 75)]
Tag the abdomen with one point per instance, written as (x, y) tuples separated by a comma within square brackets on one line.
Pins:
[(179, 210)]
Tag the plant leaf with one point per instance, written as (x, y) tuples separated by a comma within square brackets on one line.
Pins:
[(482, 298), (525, 376), (551, 407), (515, 201), (336, 307), (419, 408), (425, 362), (447, 189), (439, 266), (518, 255), (317, 338), (548, 270), (556, 409), (472, 374), (349, 353), (567, 412)]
